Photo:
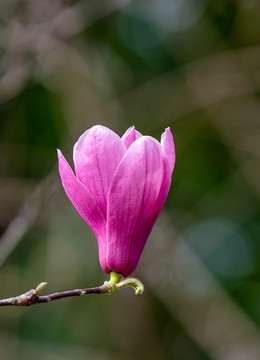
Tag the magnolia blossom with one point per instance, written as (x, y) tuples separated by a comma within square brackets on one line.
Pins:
[(119, 189)]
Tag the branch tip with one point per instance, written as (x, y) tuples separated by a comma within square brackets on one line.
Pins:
[(40, 287), (136, 284)]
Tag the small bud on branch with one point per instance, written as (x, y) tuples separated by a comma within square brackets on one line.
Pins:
[(32, 296)]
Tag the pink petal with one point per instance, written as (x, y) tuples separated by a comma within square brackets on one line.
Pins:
[(130, 136), (86, 205), (167, 143), (96, 156), (136, 196)]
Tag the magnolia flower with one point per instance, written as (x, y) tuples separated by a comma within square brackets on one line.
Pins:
[(120, 187)]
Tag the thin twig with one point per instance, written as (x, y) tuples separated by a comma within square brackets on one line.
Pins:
[(32, 297)]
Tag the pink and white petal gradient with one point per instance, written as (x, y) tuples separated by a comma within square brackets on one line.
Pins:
[(120, 187), (167, 143), (135, 200), (86, 206), (96, 156), (130, 136)]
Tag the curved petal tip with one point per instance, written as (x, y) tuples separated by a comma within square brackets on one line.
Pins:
[(167, 143)]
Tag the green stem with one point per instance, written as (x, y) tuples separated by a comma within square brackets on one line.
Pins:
[(112, 283), (115, 277)]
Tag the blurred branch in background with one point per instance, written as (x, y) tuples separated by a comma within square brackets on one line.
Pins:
[(201, 84), (35, 30), (29, 210), (197, 299)]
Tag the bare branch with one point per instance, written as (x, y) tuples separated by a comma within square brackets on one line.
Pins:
[(32, 297)]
